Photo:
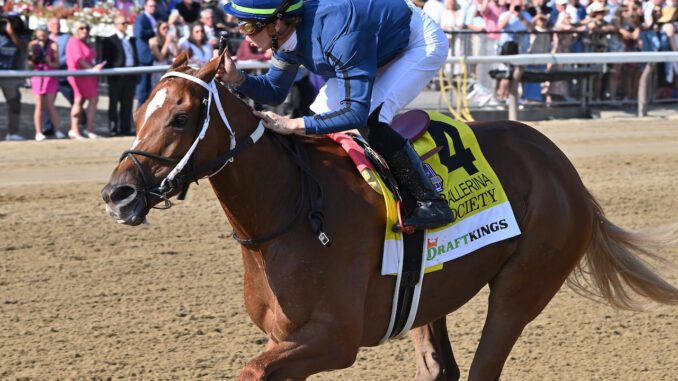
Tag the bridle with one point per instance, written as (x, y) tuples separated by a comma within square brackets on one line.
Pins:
[(172, 181)]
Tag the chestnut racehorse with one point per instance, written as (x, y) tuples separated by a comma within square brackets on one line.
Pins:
[(318, 305)]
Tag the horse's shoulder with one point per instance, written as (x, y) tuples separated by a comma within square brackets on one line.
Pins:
[(331, 161)]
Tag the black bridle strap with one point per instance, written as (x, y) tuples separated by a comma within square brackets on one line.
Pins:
[(130, 153)]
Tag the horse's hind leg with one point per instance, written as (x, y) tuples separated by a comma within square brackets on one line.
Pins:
[(433, 352), (520, 291)]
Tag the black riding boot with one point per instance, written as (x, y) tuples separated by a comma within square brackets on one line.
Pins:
[(431, 211)]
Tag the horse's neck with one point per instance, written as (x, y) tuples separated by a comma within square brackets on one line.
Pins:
[(259, 190)]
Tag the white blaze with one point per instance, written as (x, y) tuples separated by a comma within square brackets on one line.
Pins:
[(155, 103)]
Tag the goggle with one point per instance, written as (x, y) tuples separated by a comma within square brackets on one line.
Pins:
[(252, 27), (249, 28)]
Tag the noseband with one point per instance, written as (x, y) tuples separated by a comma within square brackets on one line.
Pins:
[(171, 182)]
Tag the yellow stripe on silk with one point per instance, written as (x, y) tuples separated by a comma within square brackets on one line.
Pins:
[(268, 11)]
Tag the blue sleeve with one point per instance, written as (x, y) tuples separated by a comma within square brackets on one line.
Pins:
[(354, 58), (272, 87)]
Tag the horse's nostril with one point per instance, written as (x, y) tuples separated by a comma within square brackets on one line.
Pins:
[(121, 193)]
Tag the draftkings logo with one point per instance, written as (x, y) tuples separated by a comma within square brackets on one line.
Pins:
[(435, 179), (433, 249)]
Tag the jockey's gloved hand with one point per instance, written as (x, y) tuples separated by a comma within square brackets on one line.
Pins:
[(227, 71)]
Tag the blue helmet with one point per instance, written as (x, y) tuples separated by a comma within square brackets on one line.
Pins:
[(263, 9)]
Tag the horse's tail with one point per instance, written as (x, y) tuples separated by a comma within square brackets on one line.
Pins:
[(615, 269)]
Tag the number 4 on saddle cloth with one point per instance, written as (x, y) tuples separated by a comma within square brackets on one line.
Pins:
[(459, 172)]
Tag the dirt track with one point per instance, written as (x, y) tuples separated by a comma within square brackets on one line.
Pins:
[(84, 297)]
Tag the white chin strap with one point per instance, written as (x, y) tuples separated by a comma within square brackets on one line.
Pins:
[(212, 89)]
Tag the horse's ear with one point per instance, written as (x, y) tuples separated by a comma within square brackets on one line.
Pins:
[(207, 72), (181, 60)]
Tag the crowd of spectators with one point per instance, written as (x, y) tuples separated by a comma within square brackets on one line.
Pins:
[(564, 26), (154, 32), (145, 33)]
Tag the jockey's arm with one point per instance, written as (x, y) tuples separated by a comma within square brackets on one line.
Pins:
[(353, 112), (272, 87), (354, 60)]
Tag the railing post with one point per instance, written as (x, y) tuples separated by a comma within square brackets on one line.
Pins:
[(513, 93), (643, 89)]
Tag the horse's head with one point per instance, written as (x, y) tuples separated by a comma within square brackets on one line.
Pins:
[(172, 139)]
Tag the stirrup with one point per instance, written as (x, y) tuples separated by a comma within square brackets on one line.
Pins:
[(409, 229), (406, 228), (423, 223)]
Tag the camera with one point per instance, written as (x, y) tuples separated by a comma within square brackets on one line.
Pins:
[(516, 8), (15, 21), (37, 55)]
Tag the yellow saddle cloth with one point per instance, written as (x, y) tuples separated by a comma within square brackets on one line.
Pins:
[(460, 173)]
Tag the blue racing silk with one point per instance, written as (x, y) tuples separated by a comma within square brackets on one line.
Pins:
[(344, 39)]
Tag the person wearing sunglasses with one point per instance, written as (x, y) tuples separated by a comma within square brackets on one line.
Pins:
[(197, 45), (80, 54), (375, 52)]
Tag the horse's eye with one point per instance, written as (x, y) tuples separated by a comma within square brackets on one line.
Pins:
[(179, 120)]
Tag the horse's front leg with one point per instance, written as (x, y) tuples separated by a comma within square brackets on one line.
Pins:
[(318, 346)]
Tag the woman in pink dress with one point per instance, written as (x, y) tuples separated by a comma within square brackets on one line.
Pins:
[(80, 55), (43, 54)]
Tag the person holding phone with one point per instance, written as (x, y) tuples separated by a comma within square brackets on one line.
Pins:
[(513, 23), (81, 55), (43, 54)]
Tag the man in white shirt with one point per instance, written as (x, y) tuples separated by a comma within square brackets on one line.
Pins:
[(144, 30), (211, 30), (119, 50)]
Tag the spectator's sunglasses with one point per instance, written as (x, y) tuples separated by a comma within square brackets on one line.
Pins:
[(83, 27)]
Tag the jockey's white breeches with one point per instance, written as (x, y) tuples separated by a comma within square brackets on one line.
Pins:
[(402, 79)]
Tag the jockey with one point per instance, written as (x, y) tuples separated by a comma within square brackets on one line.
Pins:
[(374, 52)]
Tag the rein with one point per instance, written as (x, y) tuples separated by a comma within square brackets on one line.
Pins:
[(173, 181), (315, 216)]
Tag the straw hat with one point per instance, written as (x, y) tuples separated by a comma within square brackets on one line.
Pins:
[(669, 14), (597, 7)]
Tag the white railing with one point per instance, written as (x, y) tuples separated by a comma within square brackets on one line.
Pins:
[(516, 60), (250, 64), (571, 58), (577, 58)]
